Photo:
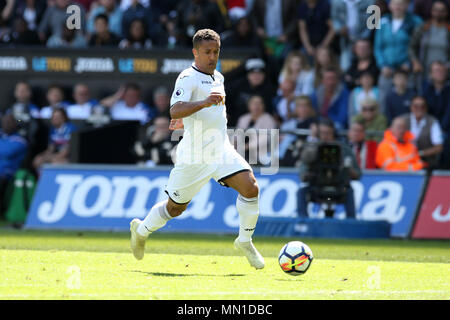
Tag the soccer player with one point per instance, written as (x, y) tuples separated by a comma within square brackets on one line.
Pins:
[(205, 152)]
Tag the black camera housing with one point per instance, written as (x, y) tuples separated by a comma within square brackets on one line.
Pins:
[(326, 176)]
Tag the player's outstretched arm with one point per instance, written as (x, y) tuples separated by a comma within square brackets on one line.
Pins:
[(183, 109)]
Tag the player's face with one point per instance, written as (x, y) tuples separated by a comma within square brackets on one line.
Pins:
[(207, 55)]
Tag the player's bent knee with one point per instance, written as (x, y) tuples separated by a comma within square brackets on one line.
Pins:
[(175, 209), (252, 191)]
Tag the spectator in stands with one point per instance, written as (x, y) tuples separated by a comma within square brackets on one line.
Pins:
[(31, 11), (158, 146), (54, 20), (70, 38), (55, 99), (350, 24), (148, 16), (137, 37), (428, 136), (423, 8), (324, 59), (242, 35), (430, 42), (256, 118), (6, 11), (20, 35), (331, 98), (437, 94), (237, 8), (13, 148), (398, 100), (125, 4), (290, 144), (102, 36), (361, 93), (113, 14), (315, 25), (372, 119), (23, 108), (161, 101), (397, 151), (297, 68), (126, 104), (392, 43), (81, 109), (275, 25), (28, 124), (364, 150), (58, 145), (193, 15), (327, 134), (363, 61), (285, 106), (255, 83)]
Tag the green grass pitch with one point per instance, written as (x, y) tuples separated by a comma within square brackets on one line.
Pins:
[(99, 265)]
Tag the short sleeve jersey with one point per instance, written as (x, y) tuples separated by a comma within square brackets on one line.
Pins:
[(205, 132)]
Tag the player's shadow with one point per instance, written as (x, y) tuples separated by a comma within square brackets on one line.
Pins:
[(168, 274)]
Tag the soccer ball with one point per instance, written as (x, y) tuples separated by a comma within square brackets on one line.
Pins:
[(295, 258)]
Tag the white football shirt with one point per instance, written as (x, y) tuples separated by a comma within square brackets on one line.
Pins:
[(205, 132)]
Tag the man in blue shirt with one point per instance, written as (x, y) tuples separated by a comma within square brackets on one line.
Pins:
[(12, 147), (392, 42), (12, 152)]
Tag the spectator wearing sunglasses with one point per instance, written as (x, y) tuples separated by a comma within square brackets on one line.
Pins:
[(372, 119)]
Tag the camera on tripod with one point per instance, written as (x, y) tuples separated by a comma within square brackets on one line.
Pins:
[(326, 175)]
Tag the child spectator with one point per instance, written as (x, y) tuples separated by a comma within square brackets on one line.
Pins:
[(112, 13), (58, 146), (102, 36), (361, 93)]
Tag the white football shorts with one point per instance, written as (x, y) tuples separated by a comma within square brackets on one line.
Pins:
[(186, 180)]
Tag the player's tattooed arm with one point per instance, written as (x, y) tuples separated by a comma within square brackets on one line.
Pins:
[(182, 109)]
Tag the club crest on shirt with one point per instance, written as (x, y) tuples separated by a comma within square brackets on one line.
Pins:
[(179, 92)]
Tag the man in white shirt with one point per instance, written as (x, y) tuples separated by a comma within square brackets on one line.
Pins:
[(205, 152), (81, 110), (427, 132), (126, 104)]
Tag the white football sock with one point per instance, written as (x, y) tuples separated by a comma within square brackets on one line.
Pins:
[(156, 219), (248, 209)]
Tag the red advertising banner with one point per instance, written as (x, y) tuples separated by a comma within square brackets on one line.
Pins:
[(433, 221)]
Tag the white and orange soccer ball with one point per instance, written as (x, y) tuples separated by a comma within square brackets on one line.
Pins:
[(295, 258)]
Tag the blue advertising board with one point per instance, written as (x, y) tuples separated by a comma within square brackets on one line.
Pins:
[(86, 197)]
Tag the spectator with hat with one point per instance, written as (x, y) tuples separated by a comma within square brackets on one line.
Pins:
[(254, 83)]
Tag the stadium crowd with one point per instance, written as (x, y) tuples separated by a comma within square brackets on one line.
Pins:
[(386, 89)]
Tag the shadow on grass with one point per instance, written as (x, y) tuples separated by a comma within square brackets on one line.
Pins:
[(168, 274), (222, 245)]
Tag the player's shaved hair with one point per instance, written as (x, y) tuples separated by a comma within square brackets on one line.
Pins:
[(205, 35)]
